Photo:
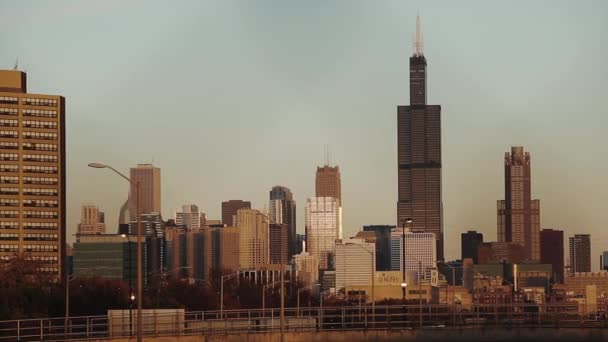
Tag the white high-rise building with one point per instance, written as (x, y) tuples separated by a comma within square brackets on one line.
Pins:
[(420, 251), (354, 261), (190, 217), (323, 217)]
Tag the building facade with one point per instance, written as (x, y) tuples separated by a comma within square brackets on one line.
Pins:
[(518, 213), (469, 243), (307, 269), (323, 217), (419, 154), (254, 238), (419, 255), (148, 177), (497, 252), (91, 221), (383, 245), (604, 261), (229, 209), (580, 253), (552, 252), (328, 182), (106, 255), (354, 261), (32, 174), (279, 243), (190, 217), (283, 211)]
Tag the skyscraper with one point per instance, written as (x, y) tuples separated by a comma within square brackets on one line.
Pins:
[(190, 217), (279, 247), (354, 262), (148, 177), (469, 243), (328, 182), (32, 174), (552, 252), (420, 253), (91, 221), (580, 253), (323, 217), (254, 238), (229, 209), (383, 245), (283, 211), (419, 154), (518, 214)]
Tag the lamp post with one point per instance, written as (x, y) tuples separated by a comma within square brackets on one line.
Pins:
[(408, 221), (222, 292), (139, 295), (298, 294), (131, 295), (403, 287), (373, 264)]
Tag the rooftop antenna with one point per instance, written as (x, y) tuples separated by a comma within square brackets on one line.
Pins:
[(16, 67), (419, 43)]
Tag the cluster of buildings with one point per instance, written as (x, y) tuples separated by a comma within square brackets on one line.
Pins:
[(404, 260)]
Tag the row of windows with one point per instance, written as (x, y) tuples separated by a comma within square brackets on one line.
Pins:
[(9, 248), (40, 192), (40, 158), (9, 122), (6, 202), (9, 180), (40, 102), (9, 236), (40, 180), (9, 156), (38, 147), (40, 248), (44, 259), (40, 225), (39, 169), (40, 124), (9, 168), (41, 214), (9, 213), (41, 113), (40, 135), (39, 237), (9, 191), (40, 203), (9, 225), (8, 111), (9, 134), (9, 99), (7, 145)]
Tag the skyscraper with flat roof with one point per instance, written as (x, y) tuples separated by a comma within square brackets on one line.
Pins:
[(148, 177), (283, 211), (91, 221), (419, 154), (229, 209), (518, 213), (254, 238), (552, 252), (580, 253), (323, 217), (328, 182), (469, 243), (32, 174)]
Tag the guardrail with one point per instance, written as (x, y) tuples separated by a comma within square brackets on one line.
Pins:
[(304, 319)]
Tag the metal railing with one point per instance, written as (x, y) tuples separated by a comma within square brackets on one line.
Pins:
[(302, 319)]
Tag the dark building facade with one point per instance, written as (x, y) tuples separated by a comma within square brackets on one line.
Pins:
[(518, 214), (283, 211), (552, 252), (279, 247), (300, 241), (419, 154), (328, 182), (452, 271), (383, 245), (580, 253), (497, 252), (469, 243), (229, 209)]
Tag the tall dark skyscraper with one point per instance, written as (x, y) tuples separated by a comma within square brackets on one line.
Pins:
[(383, 245), (283, 211), (552, 252), (518, 214), (419, 154), (229, 209), (580, 253), (469, 244)]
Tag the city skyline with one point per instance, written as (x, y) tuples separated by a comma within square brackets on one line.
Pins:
[(369, 192)]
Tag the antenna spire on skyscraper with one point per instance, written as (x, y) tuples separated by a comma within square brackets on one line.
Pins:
[(419, 48)]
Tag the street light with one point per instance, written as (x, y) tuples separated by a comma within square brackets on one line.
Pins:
[(373, 264), (139, 295), (408, 221), (131, 295), (228, 276), (300, 291)]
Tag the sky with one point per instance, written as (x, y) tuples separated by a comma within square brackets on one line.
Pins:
[(230, 98)]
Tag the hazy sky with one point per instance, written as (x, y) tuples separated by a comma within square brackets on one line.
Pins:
[(232, 97)]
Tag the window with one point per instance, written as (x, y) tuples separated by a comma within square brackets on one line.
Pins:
[(9, 225), (41, 214), (40, 192), (40, 158), (39, 124), (40, 180), (40, 248), (9, 248), (7, 202), (5, 145), (41, 113), (38, 135), (9, 156), (40, 203), (9, 213), (9, 99), (9, 168), (40, 102), (39, 237), (8, 111), (9, 236), (9, 134), (8, 122), (39, 169), (37, 147), (9, 180), (40, 225)]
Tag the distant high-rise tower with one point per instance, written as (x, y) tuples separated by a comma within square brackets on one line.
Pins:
[(32, 174), (254, 238), (580, 253), (518, 213), (283, 211), (328, 183), (419, 154), (229, 209), (552, 252), (469, 244), (190, 217), (323, 217), (91, 221), (148, 177)]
